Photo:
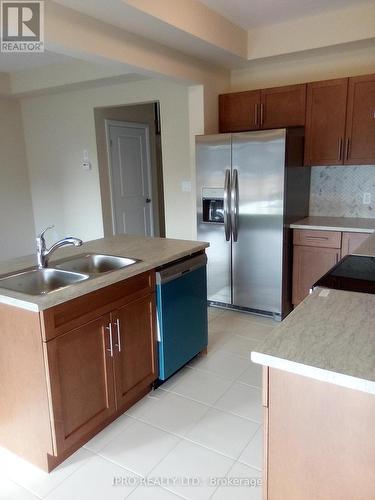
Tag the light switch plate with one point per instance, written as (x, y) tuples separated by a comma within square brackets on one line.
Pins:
[(186, 186), (366, 198)]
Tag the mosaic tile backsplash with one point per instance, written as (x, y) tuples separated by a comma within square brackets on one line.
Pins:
[(338, 191)]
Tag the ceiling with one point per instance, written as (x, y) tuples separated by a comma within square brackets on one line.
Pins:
[(10, 63), (253, 13)]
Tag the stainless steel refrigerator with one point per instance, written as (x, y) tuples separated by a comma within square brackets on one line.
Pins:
[(250, 187)]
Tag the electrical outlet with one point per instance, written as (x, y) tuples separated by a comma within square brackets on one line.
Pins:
[(366, 198)]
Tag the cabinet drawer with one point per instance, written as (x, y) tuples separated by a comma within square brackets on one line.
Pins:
[(314, 238), (76, 312)]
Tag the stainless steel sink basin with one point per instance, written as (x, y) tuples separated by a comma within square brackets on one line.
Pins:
[(40, 281), (95, 263)]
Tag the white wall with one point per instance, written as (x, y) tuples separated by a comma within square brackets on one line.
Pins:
[(16, 219), (308, 66), (59, 127)]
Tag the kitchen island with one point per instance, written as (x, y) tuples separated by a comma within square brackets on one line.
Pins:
[(73, 360), (319, 398)]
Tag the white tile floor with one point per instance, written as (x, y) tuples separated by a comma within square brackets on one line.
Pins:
[(204, 423)]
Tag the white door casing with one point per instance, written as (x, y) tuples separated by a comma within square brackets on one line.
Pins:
[(130, 177)]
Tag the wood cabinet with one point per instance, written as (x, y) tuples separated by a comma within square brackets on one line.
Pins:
[(351, 241), (360, 123), (325, 122), (309, 264), (134, 343), (86, 361), (319, 440), (80, 376), (239, 111), (283, 107), (262, 109), (315, 252)]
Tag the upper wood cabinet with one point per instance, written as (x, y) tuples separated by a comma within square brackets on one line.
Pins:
[(283, 107), (239, 111), (262, 109), (360, 123), (325, 122)]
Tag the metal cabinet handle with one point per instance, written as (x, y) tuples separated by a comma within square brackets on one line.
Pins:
[(109, 328), (227, 205), (261, 114), (118, 345), (340, 149), (256, 114), (234, 204), (347, 149)]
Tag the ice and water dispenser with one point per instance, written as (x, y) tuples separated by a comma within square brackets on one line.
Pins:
[(213, 205)]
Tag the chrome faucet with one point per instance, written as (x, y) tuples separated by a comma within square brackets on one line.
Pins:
[(43, 253)]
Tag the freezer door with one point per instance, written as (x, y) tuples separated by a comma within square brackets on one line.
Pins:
[(213, 160), (257, 211)]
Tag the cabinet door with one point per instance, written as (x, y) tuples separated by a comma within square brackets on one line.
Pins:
[(360, 126), (351, 241), (135, 348), (310, 264), (80, 371), (239, 111), (283, 107), (325, 122)]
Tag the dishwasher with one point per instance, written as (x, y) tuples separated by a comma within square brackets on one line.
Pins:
[(181, 298)]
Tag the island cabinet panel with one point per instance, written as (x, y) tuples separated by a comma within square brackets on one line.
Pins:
[(320, 440), (351, 241), (309, 264), (135, 348), (80, 375), (360, 124), (239, 111), (283, 107), (325, 122)]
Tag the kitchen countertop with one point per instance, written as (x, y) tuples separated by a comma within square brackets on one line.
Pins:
[(330, 337), (153, 252), (350, 224)]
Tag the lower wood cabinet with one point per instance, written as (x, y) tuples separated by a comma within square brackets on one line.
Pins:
[(134, 348), (310, 264), (351, 241), (85, 362), (315, 252), (80, 375)]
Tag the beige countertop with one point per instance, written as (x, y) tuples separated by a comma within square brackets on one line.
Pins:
[(330, 337), (350, 224), (153, 252)]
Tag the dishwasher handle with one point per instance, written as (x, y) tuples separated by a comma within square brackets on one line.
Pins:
[(180, 269)]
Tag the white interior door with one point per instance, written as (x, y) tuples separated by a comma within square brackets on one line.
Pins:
[(130, 175)]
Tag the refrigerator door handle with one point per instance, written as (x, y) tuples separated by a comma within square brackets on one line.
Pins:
[(234, 205), (227, 204)]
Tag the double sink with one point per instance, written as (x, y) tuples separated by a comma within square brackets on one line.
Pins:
[(64, 273)]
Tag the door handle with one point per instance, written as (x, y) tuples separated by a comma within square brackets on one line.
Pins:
[(118, 345), (227, 204), (109, 328), (234, 204), (256, 114)]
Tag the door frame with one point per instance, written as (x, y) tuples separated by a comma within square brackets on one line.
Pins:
[(118, 123)]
